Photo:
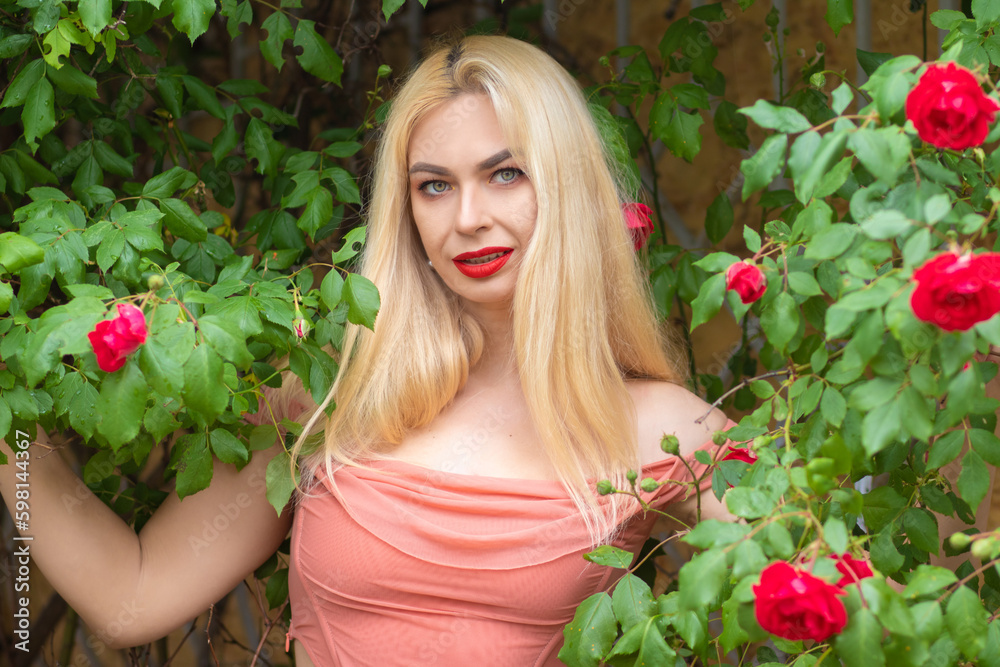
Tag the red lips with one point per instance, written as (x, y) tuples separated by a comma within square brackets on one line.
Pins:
[(482, 269)]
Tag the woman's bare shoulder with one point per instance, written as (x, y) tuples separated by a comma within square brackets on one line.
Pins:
[(665, 408)]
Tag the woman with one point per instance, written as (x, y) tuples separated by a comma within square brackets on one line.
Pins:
[(515, 361)]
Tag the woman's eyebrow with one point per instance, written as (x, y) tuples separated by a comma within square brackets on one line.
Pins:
[(494, 160), (486, 164)]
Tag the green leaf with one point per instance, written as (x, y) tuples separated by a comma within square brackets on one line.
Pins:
[(14, 45), (632, 601), (882, 505), (111, 161), (701, 579), (780, 320), (96, 15), (719, 218), (276, 590), (279, 29), (121, 406), (194, 470), (38, 115), (317, 57), (989, 656), (6, 419), (6, 296), (228, 448), (841, 98), (880, 428), (182, 221), (765, 165), (831, 242), (331, 288), (803, 283), (390, 7), (205, 393), (18, 252), (830, 151), (192, 16), (782, 119), (73, 81), (261, 146), (22, 85), (986, 445), (886, 224), (610, 556), (647, 642), (709, 300), (226, 339), (967, 621), (362, 300), (839, 13), (884, 152), (319, 211), (204, 95), (921, 529), (589, 636), (279, 480), (353, 241), (928, 579), (167, 183), (833, 407), (974, 480), (987, 13), (945, 449), (678, 130), (749, 503), (860, 643), (715, 533)]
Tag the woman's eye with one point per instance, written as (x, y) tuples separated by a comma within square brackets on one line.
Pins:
[(434, 187), (507, 175)]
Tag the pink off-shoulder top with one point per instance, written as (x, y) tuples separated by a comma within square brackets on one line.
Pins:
[(404, 565)]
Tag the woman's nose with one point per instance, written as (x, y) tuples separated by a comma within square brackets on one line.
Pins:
[(473, 213)]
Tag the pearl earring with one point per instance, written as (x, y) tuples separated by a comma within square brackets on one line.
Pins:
[(430, 264)]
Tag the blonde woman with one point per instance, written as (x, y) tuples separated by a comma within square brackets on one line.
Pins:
[(516, 361)]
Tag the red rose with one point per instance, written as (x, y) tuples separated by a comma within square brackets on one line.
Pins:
[(113, 340), (639, 220), (852, 569), (954, 292), (949, 108), (744, 454), (793, 604), (748, 281)]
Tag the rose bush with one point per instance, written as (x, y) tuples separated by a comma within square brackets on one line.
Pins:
[(867, 305), (949, 108)]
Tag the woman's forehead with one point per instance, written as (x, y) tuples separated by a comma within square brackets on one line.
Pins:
[(464, 128)]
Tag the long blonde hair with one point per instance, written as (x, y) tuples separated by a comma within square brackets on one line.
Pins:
[(582, 317)]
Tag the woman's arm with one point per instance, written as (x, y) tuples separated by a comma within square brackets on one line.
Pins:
[(131, 589)]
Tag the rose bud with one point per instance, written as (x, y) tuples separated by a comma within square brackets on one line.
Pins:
[(639, 221), (747, 280), (113, 340)]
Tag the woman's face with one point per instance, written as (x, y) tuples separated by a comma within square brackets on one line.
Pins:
[(473, 206)]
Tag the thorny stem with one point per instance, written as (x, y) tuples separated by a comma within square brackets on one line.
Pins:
[(736, 388)]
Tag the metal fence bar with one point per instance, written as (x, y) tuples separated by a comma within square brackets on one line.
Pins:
[(863, 30)]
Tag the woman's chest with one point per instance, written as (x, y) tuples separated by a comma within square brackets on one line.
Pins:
[(485, 434)]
